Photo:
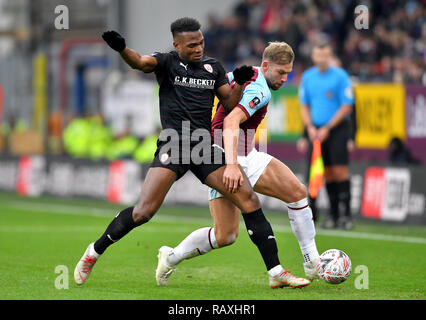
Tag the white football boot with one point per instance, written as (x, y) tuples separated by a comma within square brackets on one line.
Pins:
[(311, 269), (286, 279), (164, 268), (84, 267)]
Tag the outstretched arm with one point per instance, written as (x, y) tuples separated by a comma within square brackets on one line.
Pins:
[(131, 57), (136, 61)]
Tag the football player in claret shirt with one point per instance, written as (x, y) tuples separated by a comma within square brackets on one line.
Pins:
[(266, 174), (188, 82)]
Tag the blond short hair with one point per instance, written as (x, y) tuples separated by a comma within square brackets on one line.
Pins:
[(279, 53)]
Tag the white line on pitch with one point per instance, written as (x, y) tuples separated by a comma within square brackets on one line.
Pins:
[(105, 212)]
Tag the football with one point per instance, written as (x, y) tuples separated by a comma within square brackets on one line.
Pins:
[(334, 266)]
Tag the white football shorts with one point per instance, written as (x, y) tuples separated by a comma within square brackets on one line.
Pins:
[(254, 164)]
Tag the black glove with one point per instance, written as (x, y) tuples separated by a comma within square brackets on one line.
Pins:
[(243, 74), (114, 40)]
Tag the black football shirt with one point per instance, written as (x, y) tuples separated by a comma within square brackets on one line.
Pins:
[(187, 90)]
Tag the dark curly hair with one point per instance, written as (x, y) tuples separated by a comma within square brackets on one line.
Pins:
[(184, 25)]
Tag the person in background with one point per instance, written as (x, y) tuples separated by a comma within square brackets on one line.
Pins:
[(326, 99), (302, 146), (399, 153)]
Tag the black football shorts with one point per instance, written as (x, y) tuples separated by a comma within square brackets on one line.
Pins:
[(334, 149), (200, 159)]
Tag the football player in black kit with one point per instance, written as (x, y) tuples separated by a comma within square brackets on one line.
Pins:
[(188, 82)]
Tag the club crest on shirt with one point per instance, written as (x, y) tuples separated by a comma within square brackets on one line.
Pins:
[(164, 157), (208, 67), (254, 102), (349, 93)]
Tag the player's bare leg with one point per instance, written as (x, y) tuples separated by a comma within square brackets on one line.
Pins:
[(245, 199), (156, 185), (279, 181), (226, 217)]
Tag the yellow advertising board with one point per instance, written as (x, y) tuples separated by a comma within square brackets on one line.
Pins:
[(380, 114)]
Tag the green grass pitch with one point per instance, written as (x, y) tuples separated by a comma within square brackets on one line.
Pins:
[(42, 239)]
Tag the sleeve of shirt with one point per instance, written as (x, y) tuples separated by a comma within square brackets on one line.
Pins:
[(252, 100), (346, 94), (221, 76), (303, 92), (162, 59), (230, 77)]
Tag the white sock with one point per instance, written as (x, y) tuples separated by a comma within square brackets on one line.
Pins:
[(92, 251), (275, 271), (302, 224), (197, 243)]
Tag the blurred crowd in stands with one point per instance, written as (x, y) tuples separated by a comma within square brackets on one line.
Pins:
[(90, 138), (391, 49)]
